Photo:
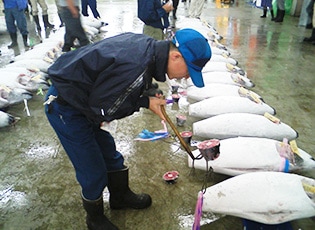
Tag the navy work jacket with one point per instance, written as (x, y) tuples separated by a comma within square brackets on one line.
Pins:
[(106, 80)]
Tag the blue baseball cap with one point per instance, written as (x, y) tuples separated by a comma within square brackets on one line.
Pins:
[(196, 52)]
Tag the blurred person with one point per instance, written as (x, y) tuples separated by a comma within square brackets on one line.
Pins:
[(93, 6), (310, 13), (70, 14), (267, 4), (34, 5), (59, 14), (175, 5), (280, 11), (154, 14), (312, 37), (195, 8), (14, 12)]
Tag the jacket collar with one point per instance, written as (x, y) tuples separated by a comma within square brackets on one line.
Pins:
[(161, 59)]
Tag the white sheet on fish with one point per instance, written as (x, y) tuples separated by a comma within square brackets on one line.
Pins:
[(216, 89), (265, 197), (228, 104), (242, 124), (224, 78), (241, 155)]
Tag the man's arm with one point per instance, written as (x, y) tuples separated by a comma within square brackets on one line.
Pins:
[(73, 9)]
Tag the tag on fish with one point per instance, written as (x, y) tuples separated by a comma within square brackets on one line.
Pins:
[(272, 118)]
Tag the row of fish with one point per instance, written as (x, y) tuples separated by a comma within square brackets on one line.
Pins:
[(27, 73), (256, 148)]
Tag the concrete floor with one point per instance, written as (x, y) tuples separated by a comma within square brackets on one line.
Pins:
[(38, 189)]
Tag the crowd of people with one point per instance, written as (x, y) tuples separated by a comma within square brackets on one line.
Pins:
[(281, 11)]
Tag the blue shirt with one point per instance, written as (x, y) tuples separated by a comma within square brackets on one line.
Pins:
[(20, 4)]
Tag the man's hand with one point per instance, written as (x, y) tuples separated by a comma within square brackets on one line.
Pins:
[(155, 106), (168, 7)]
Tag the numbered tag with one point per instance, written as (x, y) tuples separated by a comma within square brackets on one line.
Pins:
[(272, 118), (5, 88), (294, 147)]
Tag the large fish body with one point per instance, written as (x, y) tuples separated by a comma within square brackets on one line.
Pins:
[(224, 78), (10, 96), (40, 64), (241, 155), (228, 104), (27, 82), (204, 28), (7, 119), (230, 125), (264, 197), (217, 89), (223, 58), (222, 67)]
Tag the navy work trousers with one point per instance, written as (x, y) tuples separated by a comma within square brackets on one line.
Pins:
[(91, 150), (12, 16)]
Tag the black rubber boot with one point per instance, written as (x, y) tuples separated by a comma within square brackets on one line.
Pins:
[(120, 194), (272, 15), (61, 21), (277, 16), (281, 16), (311, 38), (309, 26), (25, 40), (95, 218), (174, 14), (36, 20), (14, 43), (265, 13), (46, 22)]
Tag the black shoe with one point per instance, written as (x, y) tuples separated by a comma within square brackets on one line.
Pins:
[(309, 26), (12, 45), (310, 39)]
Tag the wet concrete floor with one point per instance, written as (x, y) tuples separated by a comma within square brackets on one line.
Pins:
[(38, 189)]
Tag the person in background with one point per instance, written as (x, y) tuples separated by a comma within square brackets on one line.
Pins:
[(70, 14), (15, 18), (175, 5), (93, 6), (280, 11), (155, 17), (267, 4), (312, 37), (59, 14), (99, 83), (310, 13), (34, 5), (195, 8)]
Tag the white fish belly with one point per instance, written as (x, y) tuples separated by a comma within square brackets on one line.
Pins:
[(265, 197), (242, 124), (227, 104)]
